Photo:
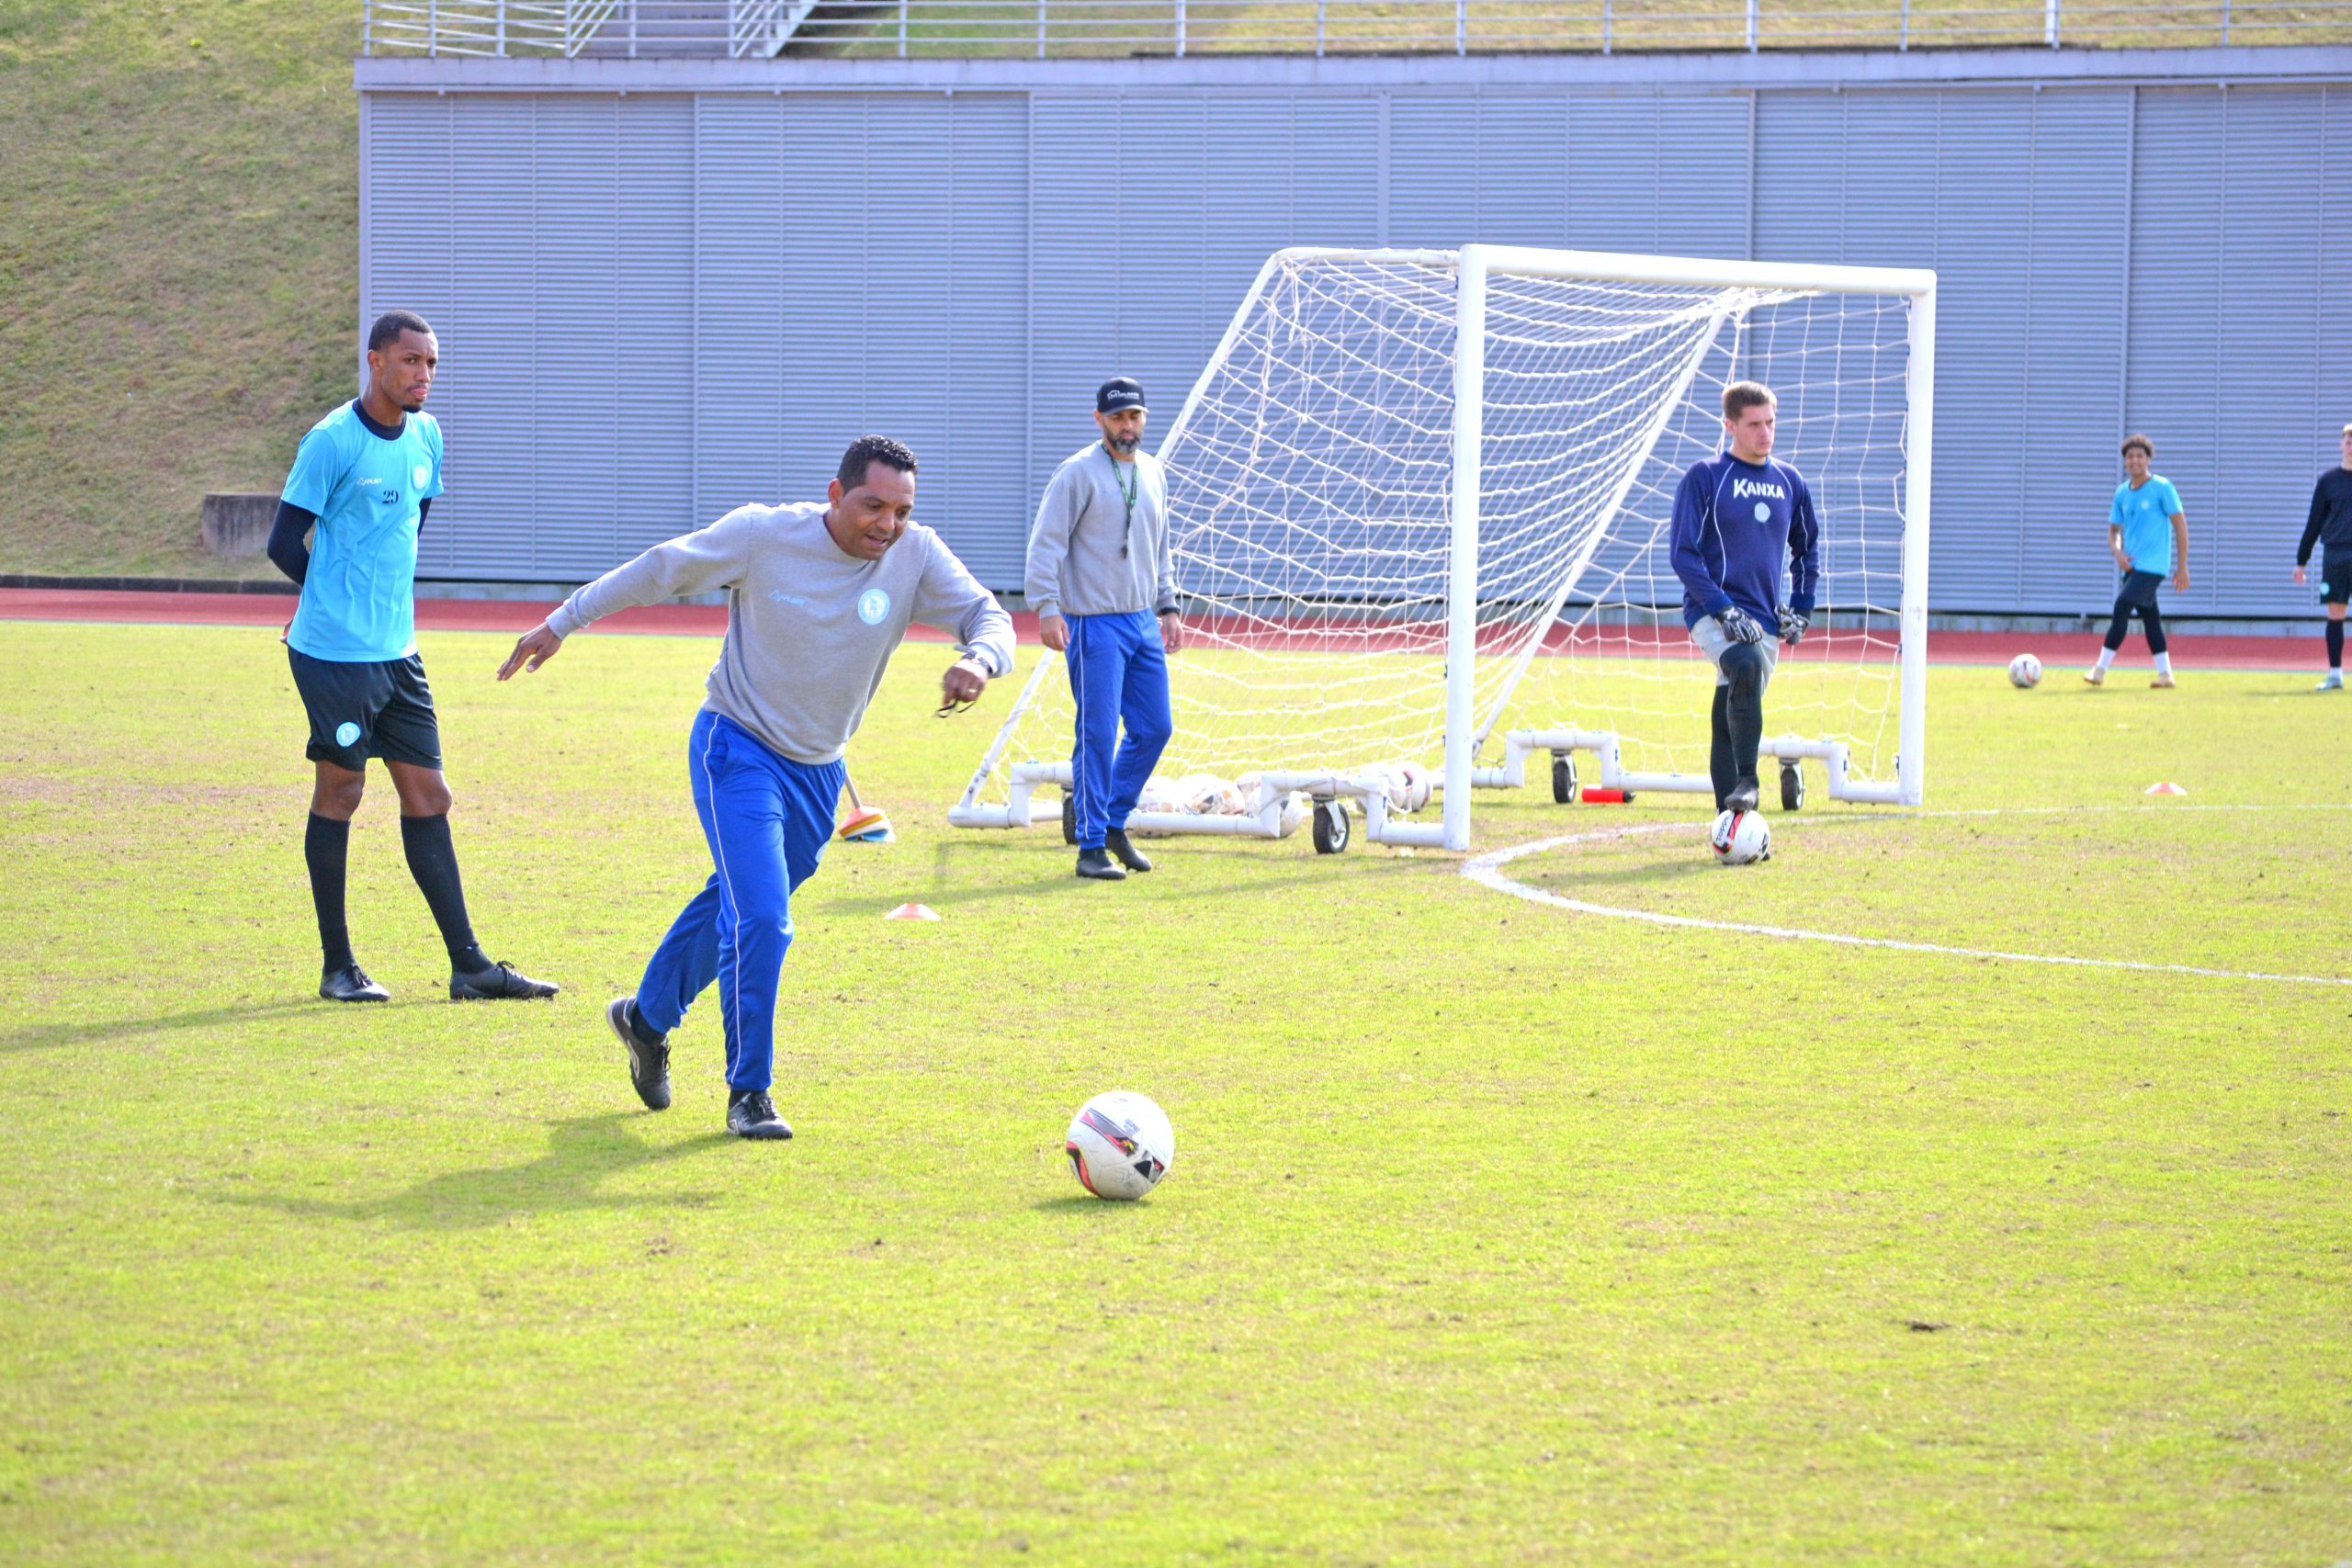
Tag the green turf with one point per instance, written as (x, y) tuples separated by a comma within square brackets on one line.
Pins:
[(1495, 1232)]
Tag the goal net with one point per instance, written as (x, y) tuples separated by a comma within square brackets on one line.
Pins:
[(1421, 504)]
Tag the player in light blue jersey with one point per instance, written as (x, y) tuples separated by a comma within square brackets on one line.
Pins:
[(362, 482), (2148, 535)]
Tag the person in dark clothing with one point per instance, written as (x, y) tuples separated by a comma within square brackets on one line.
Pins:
[(1739, 519), (2330, 527)]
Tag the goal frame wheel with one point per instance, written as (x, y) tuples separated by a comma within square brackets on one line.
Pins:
[(1069, 820), (1331, 831), (1566, 787), (1792, 787)]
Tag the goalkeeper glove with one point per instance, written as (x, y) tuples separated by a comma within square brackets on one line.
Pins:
[(1794, 627), (1739, 626)]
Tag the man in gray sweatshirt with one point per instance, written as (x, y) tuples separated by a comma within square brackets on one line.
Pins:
[(819, 596), (1099, 569)]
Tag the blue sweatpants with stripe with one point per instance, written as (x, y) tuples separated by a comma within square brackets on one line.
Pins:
[(1118, 673), (768, 819)]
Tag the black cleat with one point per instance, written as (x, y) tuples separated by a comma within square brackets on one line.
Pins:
[(499, 982), (753, 1115), (1742, 796), (649, 1054), (1095, 864), (350, 984), (1116, 841)]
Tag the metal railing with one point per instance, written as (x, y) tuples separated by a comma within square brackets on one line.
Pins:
[(1058, 29), (600, 29)]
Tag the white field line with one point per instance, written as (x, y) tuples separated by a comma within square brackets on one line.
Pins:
[(1486, 871)]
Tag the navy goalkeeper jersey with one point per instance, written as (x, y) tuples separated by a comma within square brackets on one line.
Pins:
[(1734, 523)]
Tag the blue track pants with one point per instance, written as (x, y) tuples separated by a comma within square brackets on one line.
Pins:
[(1118, 672), (768, 819)]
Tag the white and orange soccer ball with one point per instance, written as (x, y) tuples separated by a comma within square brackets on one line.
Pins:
[(2025, 671), (1120, 1145), (1740, 838)]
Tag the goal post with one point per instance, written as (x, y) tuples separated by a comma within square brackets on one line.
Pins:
[(1420, 505)]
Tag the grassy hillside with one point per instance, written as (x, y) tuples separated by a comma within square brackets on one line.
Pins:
[(178, 260)]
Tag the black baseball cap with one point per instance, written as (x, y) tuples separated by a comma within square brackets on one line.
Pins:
[(1118, 392)]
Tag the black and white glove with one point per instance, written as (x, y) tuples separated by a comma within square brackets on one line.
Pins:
[(1794, 627), (1739, 626)]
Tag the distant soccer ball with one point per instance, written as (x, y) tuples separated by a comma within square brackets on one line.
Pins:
[(1120, 1145), (1740, 838), (1410, 790), (2024, 671)]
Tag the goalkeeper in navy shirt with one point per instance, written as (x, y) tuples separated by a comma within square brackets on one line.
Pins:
[(1738, 517), (362, 482)]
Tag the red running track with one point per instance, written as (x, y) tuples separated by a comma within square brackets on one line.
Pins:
[(516, 616)]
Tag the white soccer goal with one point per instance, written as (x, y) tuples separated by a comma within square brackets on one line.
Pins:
[(1421, 504)]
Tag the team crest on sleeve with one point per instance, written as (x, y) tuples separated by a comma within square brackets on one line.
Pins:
[(421, 473), (873, 605)]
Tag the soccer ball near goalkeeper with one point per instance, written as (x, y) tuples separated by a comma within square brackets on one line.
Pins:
[(1120, 1145), (1740, 838), (2024, 671)]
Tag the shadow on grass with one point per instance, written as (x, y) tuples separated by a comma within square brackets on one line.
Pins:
[(1279, 874), (1074, 1203), (581, 1155), (46, 1037)]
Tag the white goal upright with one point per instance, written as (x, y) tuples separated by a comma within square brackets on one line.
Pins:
[(1421, 504)]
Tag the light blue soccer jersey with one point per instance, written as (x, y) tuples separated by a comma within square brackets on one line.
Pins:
[(2145, 517), (359, 599)]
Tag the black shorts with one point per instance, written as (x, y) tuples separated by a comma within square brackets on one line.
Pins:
[(2335, 577), (359, 711), (2139, 590)]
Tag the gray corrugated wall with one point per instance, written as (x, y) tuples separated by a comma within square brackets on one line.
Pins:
[(655, 307)]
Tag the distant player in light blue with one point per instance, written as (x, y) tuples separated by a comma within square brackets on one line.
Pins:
[(2148, 535), (1739, 519), (363, 481)]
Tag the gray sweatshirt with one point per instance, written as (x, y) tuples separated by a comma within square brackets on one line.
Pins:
[(810, 630), (1084, 559)]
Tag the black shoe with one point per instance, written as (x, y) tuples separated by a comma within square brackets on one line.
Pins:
[(649, 1054), (350, 984), (1096, 864), (500, 981), (753, 1115), (1743, 796), (1116, 841)]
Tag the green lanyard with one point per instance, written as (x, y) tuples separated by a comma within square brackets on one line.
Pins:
[(1130, 486)]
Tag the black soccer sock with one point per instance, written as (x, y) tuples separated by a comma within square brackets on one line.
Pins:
[(1745, 707), (325, 845), (2154, 622), (2335, 645), (1719, 766), (433, 861), (2121, 627)]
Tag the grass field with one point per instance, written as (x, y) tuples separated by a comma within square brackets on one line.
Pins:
[(1496, 1232)]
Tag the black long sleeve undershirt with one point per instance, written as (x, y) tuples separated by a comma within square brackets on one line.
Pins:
[(287, 550), (2331, 518)]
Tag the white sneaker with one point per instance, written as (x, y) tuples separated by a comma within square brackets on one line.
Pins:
[(2095, 677), (2334, 682)]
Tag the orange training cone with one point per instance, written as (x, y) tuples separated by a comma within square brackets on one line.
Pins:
[(912, 912)]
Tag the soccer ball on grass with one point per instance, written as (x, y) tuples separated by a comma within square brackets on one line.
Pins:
[(1120, 1145), (2025, 671), (1740, 838)]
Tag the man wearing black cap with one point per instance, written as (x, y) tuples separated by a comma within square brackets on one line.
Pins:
[(1099, 576)]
